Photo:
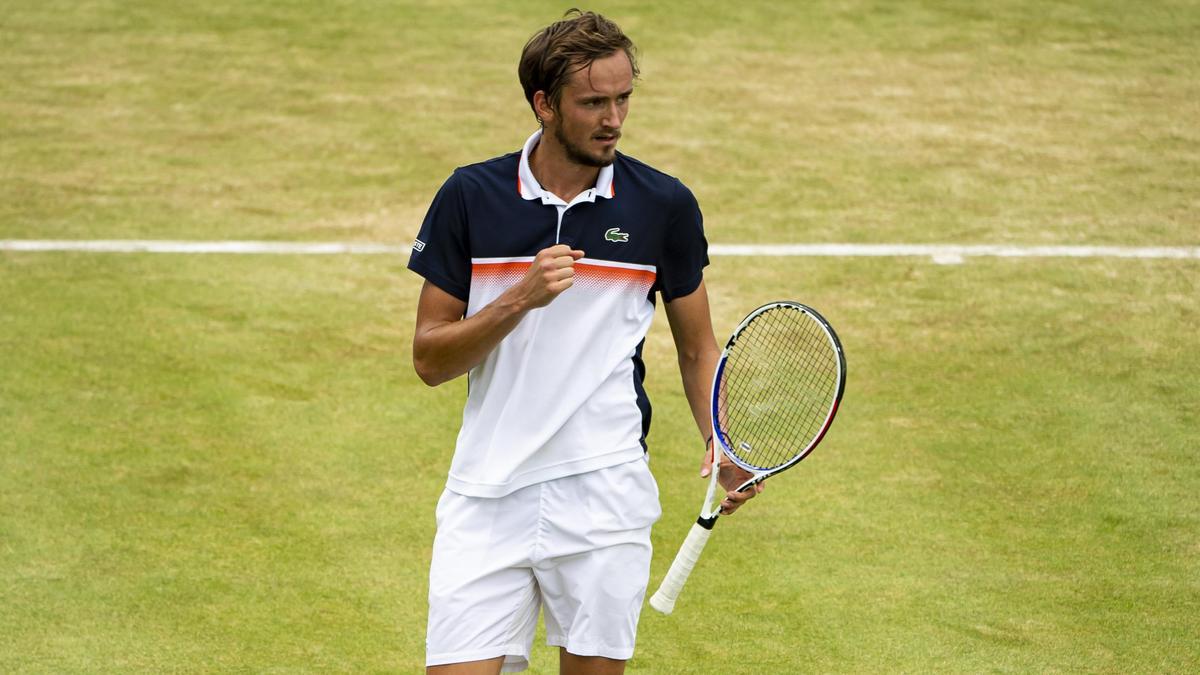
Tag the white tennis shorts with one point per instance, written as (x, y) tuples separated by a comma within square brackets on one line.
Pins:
[(579, 545)]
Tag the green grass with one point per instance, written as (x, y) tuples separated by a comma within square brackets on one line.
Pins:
[(1026, 122), (225, 463)]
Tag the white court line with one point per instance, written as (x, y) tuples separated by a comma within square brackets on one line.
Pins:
[(940, 253), (955, 253), (157, 246)]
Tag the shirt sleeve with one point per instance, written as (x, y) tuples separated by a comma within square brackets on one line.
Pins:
[(685, 250), (441, 252)]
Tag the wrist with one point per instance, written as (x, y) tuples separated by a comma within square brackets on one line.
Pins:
[(514, 302)]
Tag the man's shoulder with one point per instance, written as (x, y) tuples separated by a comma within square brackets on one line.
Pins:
[(650, 182), (639, 168), (497, 169)]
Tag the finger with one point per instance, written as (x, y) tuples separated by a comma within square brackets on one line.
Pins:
[(746, 494), (557, 287), (555, 251), (563, 261), (551, 263), (741, 497), (560, 250), (560, 274), (734, 500)]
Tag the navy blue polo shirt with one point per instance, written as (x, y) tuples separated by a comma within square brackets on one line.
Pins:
[(562, 393)]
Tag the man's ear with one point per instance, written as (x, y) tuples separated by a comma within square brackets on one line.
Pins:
[(542, 108)]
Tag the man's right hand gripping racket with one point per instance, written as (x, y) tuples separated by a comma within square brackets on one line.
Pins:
[(775, 392)]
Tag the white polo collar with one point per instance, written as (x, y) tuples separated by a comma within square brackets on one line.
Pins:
[(530, 188)]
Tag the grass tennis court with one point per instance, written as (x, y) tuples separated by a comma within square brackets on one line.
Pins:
[(224, 463)]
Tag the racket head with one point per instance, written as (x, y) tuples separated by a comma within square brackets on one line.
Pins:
[(777, 387)]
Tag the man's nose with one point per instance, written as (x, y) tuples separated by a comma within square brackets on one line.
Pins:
[(612, 116)]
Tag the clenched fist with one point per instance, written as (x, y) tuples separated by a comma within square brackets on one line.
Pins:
[(551, 272)]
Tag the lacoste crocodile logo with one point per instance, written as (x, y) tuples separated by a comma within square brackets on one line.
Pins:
[(615, 234)]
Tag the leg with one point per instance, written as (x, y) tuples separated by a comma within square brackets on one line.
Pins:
[(570, 664), (483, 600), (596, 565), (486, 667)]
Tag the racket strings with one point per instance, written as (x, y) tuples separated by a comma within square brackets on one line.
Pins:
[(776, 416), (778, 387)]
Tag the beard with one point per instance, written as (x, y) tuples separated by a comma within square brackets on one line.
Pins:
[(579, 155)]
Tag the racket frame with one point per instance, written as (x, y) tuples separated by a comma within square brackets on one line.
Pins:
[(719, 435), (689, 553)]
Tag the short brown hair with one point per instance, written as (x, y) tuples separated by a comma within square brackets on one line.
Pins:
[(566, 46)]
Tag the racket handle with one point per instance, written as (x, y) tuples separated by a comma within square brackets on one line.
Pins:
[(681, 568)]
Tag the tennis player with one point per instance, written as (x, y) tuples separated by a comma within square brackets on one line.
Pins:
[(541, 272)]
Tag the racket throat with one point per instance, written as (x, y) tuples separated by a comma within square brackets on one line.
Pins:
[(708, 510)]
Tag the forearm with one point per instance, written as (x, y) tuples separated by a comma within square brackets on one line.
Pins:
[(445, 345), (691, 327), (697, 369), (446, 349)]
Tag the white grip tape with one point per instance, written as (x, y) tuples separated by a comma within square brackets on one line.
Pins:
[(681, 568)]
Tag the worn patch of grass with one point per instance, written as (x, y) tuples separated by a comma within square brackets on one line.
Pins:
[(853, 121)]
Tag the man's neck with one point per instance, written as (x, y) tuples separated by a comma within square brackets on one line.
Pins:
[(556, 173)]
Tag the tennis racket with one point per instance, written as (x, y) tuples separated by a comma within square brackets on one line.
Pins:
[(775, 391)]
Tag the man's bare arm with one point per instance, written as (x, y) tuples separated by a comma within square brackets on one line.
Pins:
[(445, 345), (691, 327), (696, 347)]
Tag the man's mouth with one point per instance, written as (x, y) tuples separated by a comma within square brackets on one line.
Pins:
[(607, 138)]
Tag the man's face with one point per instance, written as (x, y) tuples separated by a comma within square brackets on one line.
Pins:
[(594, 102)]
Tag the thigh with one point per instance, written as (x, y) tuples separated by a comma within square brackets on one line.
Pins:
[(594, 600), (483, 598), (596, 563)]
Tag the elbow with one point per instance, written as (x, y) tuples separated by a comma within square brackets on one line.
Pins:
[(433, 371), (695, 355), (425, 367), (430, 375), (688, 357)]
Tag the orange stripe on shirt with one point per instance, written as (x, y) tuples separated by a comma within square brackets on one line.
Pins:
[(615, 274), (586, 275), (505, 272)]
